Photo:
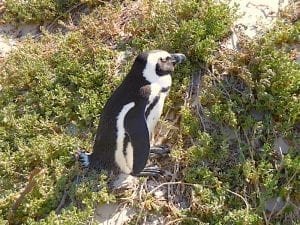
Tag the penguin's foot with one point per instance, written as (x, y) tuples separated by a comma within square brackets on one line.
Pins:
[(159, 151), (151, 171), (83, 159)]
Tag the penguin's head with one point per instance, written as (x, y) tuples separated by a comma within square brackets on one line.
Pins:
[(158, 63)]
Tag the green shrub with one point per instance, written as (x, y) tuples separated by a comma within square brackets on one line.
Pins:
[(191, 27), (249, 99), (32, 11), (53, 90)]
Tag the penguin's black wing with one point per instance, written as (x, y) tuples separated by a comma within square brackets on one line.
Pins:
[(137, 130)]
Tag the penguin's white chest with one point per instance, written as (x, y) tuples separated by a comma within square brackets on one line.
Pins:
[(155, 106), (155, 113)]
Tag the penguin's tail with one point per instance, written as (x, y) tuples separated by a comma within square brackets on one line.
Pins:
[(83, 158)]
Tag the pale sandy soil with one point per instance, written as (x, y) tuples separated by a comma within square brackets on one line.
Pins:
[(10, 36), (255, 17)]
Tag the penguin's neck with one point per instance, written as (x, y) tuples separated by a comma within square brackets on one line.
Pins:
[(164, 81)]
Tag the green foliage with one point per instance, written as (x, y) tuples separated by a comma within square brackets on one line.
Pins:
[(242, 217), (250, 99), (189, 27), (278, 84), (88, 193), (32, 11), (52, 91)]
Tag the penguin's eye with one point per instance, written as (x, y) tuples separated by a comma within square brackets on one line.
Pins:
[(163, 60), (167, 59)]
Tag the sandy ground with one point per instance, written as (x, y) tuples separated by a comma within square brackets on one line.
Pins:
[(255, 17), (10, 36)]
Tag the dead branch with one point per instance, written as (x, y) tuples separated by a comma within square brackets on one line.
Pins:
[(28, 188)]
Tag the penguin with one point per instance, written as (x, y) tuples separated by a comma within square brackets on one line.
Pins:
[(130, 115)]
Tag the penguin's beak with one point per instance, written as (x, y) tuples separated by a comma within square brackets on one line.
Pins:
[(178, 58)]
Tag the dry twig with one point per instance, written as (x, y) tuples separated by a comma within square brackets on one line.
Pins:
[(28, 188)]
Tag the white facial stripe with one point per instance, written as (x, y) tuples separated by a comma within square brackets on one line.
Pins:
[(150, 70), (121, 161)]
